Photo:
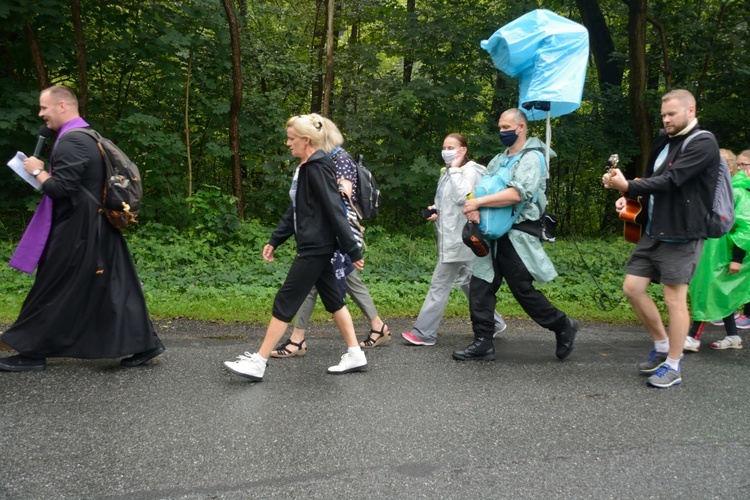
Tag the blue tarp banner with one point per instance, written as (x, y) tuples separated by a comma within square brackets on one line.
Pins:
[(549, 53)]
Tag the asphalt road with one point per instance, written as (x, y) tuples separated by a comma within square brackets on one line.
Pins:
[(416, 425)]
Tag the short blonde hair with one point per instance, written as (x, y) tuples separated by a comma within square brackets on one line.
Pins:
[(310, 126), (731, 160), (517, 115), (62, 93), (744, 154), (683, 96)]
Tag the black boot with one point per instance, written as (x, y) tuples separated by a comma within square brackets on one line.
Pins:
[(482, 349), (566, 338)]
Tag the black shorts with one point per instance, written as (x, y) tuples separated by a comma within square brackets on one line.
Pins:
[(306, 272)]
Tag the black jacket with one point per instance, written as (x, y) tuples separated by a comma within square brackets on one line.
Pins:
[(321, 224), (683, 190)]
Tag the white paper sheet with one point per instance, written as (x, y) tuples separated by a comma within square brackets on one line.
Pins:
[(16, 164)]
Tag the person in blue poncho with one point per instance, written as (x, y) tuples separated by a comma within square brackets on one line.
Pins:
[(516, 257)]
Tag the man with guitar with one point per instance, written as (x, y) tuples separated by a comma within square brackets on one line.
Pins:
[(677, 191)]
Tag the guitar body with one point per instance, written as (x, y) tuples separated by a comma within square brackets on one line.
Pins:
[(635, 217)]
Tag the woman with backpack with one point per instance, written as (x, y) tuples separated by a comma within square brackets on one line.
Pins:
[(317, 221), (346, 170), (458, 178)]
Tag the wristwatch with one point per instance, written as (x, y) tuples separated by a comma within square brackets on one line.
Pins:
[(37, 172)]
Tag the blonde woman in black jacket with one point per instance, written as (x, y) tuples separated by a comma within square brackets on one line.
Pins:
[(316, 219)]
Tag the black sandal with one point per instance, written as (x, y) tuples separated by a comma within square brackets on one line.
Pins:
[(281, 350), (383, 337)]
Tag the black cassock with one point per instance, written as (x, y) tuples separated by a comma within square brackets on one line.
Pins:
[(71, 311)]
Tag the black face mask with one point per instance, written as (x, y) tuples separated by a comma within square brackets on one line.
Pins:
[(508, 137)]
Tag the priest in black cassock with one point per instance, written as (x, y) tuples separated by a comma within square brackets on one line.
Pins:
[(72, 310)]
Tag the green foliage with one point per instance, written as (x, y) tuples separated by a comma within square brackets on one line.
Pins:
[(194, 273), (159, 84), (215, 213)]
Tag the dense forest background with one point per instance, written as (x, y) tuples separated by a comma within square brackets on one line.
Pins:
[(197, 93)]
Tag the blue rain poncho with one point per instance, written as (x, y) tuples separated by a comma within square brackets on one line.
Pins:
[(549, 53)]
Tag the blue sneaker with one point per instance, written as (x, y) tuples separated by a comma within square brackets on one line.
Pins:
[(655, 359), (664, 377)]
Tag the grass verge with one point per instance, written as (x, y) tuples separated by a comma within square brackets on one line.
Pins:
[(191, 275)]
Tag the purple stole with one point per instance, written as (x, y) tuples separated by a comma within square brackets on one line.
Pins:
[(34, 239)]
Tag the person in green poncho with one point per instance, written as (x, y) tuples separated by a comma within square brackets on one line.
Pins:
[(722, 279)]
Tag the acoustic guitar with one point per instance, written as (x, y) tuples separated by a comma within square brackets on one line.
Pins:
[(633, 215)]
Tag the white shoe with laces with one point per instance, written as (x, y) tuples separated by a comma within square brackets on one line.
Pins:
[(350, 362), (249, 366), (692, 344)]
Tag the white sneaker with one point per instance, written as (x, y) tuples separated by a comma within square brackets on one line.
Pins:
[(250, 366), (350, 362), (728, 343), (692, 344), (499, 328)]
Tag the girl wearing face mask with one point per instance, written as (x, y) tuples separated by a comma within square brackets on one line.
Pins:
[(458, 179)]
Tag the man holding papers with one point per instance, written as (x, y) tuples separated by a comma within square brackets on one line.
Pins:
[(86, 301)]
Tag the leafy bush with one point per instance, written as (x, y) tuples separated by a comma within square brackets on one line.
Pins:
[(199, 274)]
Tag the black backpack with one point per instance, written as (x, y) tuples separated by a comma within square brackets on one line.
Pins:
[(123, 190), (368, 194)]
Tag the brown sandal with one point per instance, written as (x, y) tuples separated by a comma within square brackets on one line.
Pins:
[(384, 335), (282, 351)]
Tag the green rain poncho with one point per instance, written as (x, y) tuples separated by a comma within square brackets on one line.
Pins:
[(714, 293)]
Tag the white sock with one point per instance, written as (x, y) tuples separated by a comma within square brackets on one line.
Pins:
[(661, 345), (265, 360), (355, 349), (673, 363)]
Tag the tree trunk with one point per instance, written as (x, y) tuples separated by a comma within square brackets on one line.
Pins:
[(664, 51), (350, 97), (328, 86), (83, 79), (187, 124), (637, 85), (716, 30), (317, 54), (609, 70), (235, 107), (411, 6), (242, 4), (500, 102), (36, 56)]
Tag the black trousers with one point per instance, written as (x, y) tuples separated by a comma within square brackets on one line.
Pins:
[(509, 266), (305, 272)]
